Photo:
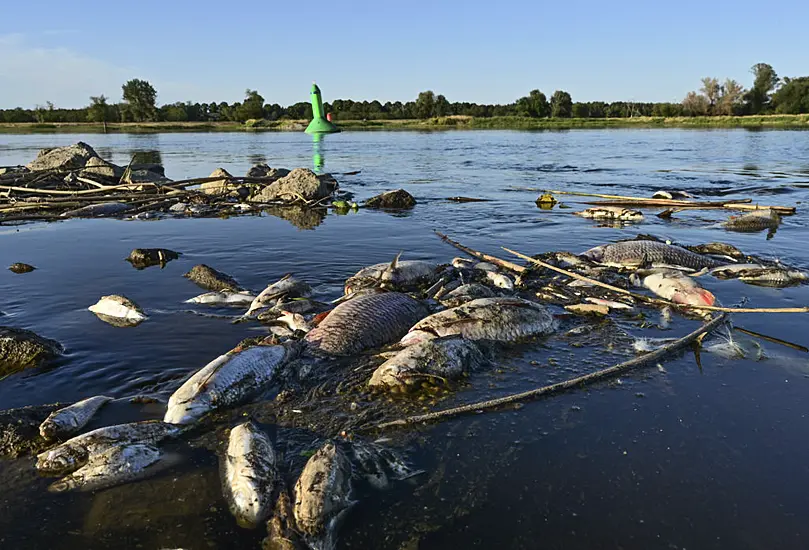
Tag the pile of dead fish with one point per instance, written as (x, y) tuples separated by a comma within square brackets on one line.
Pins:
[(431, 322)]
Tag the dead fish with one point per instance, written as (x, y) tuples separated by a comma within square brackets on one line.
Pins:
[(98, 210), (228, 380), (761, 275), (672, 194), (377, 465), (249, 474), (717, 249), (211, 279), (641, 252), (366, 322), (110, 467), (609, 303), (445, 358), (484, 266), (399, 275), (295, 321), (611, 213), (287, 287), (496, 319), (323, 494), (75, 452), (674, 285), (499, 280), (68, 421), (20, 268), (224, 297), (462, 263), (757, 220), (466, 293), (144, 257), (118, 307)]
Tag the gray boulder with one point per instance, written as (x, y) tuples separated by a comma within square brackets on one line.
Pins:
[(301, 183), (72, 157), (140, 175), (96, 166), (399, 199), (218, 187), (22, 349), (264, 171)]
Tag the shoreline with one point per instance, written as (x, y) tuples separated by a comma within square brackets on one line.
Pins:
[(440, 123)]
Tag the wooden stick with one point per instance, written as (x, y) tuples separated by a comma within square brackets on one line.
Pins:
[(659, 300), (772, 339), (505, 264), (562, 386)]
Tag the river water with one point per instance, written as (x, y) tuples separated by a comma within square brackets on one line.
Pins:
[(687, 455)]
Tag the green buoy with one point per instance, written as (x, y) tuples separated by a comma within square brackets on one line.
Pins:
[(319, 124)]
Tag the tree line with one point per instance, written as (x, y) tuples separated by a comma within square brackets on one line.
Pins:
[(768, 94)]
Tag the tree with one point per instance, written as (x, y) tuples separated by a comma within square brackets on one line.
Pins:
[(731, 99), (765, 81), (140, 98), (252, 107), (793, 97), (561, 104), (425, 104), (534, 105), (695, 104), (99, 110), (581, 110), (442, 106), (711, 90)]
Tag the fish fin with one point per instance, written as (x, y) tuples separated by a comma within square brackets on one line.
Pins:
[(707, 297), (395, 263)]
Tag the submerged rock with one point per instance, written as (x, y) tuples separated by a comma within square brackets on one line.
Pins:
[(96, 166), (20, 267), (299, 184), (71, 157), (144, 257), (19, 430), (21, 349), (211, 279), (399, 199)]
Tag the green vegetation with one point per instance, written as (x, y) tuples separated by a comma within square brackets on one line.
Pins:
[(725, 104)]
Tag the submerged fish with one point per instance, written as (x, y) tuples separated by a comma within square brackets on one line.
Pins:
[(224, 297), (377, 465), (118, 307), (466, 293), (497, 319), (445, 358), (103, 209), (228, 380), (717, 249), (640, 252), (248, 475), (774, 276), (611, 213), (70, 420), (672, 194), (398, 275), (110, 467), (75, 452), (287, 287), (366, 322), (757, 220), (675, 286), (322, 494)]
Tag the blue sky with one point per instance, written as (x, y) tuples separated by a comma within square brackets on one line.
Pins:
[(485, 52)]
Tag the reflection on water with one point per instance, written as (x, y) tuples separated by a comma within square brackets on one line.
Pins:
[(676, 457), (318, 159)]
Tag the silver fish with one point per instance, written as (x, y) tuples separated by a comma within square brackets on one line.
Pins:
[(496, 319), (323, 494), (224, 297), (674, 285), (466, 293), (484, 266), (499, 280), (639, 252), (287, 287), (445, 358), (113, 466), (228, 380), (611, 213), (774, 276), (399, 275), (75, 452), (757, 220), (366, 322), (118, 307), (249, 474), (70, 420), (103, 209), (672, 194)]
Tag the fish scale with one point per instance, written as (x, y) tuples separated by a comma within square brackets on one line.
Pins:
[(366, 322), (249, 473), (633, 253)]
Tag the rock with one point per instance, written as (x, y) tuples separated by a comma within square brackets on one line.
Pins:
[(96, 166), (264, 171), (21, 268), (217, 187), (145, 257), (12, 170), (140, 176), (21, 349), (179, 208), (19, 430), (392, 199), (301, 183), (211, 279), (71, 157)]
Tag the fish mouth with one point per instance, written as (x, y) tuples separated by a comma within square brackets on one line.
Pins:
[(60, 486)]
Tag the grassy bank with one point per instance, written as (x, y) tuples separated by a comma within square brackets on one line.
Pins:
[(452, 122)]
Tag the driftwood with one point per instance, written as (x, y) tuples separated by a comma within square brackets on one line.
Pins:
[(586, 379), (484, 257)]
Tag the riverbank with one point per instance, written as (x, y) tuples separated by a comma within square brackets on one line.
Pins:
[(436, 123)]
